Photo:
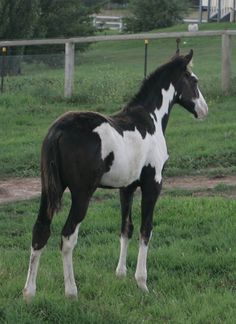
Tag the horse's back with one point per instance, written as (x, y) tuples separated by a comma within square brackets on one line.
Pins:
[(78, 121)]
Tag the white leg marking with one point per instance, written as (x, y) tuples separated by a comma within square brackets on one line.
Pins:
[(30, 285), (121, 267), (141, 269), (68, 244)]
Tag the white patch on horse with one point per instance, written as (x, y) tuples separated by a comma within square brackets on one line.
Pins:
[(200, 107), (131, 151), (121, 267), (141, 269), (194, 76), (30, 285), (68, 244), (167, 97)]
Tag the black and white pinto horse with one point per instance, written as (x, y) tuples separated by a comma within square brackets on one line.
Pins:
[(86, 150)]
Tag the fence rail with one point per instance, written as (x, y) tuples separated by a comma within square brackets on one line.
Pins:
[(69, 49)]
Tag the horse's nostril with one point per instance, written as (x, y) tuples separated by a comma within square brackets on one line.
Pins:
[(201, 113)]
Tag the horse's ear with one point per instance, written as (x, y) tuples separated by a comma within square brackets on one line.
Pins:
[(188, 57), (175, 55)]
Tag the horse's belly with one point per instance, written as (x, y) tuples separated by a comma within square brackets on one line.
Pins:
[(128, 164), (123, 172), (131, 153)]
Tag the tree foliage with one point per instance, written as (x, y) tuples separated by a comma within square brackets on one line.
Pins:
[(24, 19), (151, 14), (60, 18), (18, 18), (46, 18), (121, 2)]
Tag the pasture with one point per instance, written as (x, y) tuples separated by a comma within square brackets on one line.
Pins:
[(106, 77), (191, 265), (192, 254)]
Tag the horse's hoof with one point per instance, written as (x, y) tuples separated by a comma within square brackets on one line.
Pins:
[(141, 282), (144, 288), (28, 296), (121, 273), (72, 294)]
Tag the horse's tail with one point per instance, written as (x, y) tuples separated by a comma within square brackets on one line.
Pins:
[(50, 174)]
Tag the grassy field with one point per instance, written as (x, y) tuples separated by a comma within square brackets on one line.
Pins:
[(191, 265), (106, 77), (192, 258)]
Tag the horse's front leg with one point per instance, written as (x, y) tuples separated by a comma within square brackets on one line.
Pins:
[(126, 199), (150, 192)]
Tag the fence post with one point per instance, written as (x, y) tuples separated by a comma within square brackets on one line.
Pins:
[(200, 11), (209, 11), (69, 69), (145, 57), (219, 11), (3, 63), (226, 62)]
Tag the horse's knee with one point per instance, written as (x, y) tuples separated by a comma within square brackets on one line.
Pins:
[(146, 233), (127, 229), (41, 234), (68, 242), (130, 230)]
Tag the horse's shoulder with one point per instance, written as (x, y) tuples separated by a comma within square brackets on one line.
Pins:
[(131, 118), (142, 119)]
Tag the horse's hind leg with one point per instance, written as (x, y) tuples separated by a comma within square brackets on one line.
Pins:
[(79, 206), (126, 199), (41, 233)]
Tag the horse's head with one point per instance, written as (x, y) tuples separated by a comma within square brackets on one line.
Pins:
[(188, 94)]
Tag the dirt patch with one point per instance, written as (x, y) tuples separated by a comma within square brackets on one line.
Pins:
[(27, 188), (19, 189), (198, 182), (202, 186)]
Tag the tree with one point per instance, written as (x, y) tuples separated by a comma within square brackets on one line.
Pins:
[(18, 19), (151, 14), (122, 2), (61, 19), (24, 19)]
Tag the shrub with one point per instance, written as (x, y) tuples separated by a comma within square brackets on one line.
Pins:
[(151, 14)]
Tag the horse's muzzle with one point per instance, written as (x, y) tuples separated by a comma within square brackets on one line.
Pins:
[(201, 107)]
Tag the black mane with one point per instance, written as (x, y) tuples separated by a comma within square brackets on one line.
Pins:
[(149, 95)]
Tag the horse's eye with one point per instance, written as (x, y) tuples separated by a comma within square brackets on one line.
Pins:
[(195, 80)]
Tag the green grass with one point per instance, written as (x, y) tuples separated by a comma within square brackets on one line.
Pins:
[(192, 258), (221, 190), (191, 265), (106, 76)]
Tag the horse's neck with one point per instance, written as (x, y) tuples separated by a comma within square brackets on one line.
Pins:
[(154, 99), (162, 112)]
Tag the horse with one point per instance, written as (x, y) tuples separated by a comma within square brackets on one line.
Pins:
[(83, 151)]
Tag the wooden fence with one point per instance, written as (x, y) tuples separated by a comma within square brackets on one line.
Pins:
[(70, 50)]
